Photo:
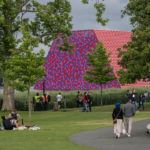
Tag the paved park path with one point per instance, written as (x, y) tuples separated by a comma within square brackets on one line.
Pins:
[(104, 139)]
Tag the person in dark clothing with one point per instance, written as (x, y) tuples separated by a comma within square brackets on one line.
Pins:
[(89, 101), (141, 101), (45, 100), (49, 98), (128, 94), (117, 117), (134, 97), (78, 99), (117, 112), (85, 102), (7, 124)]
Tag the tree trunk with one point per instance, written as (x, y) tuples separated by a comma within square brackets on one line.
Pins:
[(43, 86), (8, 97), (29, 105), (101, 95)]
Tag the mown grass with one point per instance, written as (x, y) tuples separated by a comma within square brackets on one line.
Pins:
[(57, 127)]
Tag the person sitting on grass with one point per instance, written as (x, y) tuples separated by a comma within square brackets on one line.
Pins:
[(9, 123)]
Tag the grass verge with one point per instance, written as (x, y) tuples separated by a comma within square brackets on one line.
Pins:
[(57, 127)]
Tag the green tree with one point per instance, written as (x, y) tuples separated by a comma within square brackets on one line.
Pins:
[(135, 55), (28, 65), (50, 21), (99, 70)]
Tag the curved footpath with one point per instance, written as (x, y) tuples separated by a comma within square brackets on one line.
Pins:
[(104, 139)]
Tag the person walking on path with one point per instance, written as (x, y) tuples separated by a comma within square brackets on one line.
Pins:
[(129, 112), (117, 117)]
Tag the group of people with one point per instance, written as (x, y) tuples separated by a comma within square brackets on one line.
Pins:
[(84, 101), (123, 118), (41, 102), (137, 100)]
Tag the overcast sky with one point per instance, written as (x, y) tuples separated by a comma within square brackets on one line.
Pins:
[(84, 16)]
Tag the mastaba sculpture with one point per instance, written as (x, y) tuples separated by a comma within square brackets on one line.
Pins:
[(65, 71)]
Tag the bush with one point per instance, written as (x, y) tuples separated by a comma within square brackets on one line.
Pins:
[(21, 105)]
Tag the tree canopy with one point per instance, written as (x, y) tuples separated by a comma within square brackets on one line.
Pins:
[(19, 31), (99, 70), (50, 21), (135, 56), (25, 66), (28, 65)]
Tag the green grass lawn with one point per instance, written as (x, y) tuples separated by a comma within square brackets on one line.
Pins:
[(57, 127)]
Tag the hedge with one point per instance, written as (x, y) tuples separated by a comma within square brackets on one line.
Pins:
[(109, 96)]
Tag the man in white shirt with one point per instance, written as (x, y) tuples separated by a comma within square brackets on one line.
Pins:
[(59, 99)]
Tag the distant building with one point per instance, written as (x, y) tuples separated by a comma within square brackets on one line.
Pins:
[(65, 71)]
